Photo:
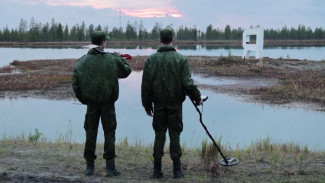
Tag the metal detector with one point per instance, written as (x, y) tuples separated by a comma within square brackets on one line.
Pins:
[(225, 161)]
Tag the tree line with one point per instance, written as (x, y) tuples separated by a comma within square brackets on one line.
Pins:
[(34, 31)]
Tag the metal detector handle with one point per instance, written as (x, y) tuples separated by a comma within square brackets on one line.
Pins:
[(204, 98)]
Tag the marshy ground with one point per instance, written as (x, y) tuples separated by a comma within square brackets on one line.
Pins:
[(287, 82), (272, 81)]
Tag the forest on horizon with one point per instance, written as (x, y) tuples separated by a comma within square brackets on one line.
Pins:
[(34, 31)]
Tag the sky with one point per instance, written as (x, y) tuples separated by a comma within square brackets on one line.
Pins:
[(190, 13)]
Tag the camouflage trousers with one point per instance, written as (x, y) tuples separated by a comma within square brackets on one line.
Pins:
[(167, 117), (105, 112)]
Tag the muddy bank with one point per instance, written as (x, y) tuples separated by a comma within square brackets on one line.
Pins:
[(287, 82)]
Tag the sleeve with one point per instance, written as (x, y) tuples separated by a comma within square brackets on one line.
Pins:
[(123, 68), (188, 84), (76, 86), (145, 88)]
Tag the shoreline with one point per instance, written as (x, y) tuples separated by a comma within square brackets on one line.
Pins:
[(176, 42), (286, 82), (30, 158)]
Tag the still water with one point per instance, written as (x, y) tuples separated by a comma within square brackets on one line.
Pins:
[(10, 54), (237, 123)]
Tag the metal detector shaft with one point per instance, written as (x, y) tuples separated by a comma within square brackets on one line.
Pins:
[(205, 128)]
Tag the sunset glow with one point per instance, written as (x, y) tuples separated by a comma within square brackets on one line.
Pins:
[(149, 13), (143, 9), (102, 4)]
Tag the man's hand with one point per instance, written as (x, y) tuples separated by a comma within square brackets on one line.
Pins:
[(149, 113), (200, 103), (203, 99)]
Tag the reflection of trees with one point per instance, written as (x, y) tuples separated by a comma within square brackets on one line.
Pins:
[(211, 47), (181, 47), (123, 46), (294, 46), (186, 47), (148, 47)]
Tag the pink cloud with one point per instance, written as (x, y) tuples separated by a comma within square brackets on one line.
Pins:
[(101, 4), (141, 9), (151, 12)]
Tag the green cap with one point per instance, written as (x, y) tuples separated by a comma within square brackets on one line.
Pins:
[(98, 36), (166, 35)]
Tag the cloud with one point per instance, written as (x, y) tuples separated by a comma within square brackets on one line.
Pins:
[(149, 13), (238, 13), (219, 13), (102, 4), (141, 9)]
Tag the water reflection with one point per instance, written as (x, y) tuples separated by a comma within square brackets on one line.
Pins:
[(187, 47), (202, 79), (10, 54), (236, 122)]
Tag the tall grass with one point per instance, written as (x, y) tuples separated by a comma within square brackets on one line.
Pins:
[(262, 161)]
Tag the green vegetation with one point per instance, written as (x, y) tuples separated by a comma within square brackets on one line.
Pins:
[(263, 160), (34, 137), (34, 31)]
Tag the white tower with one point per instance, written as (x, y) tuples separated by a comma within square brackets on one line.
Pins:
[(249, 46)]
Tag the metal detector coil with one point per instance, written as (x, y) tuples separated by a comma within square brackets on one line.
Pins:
[(229, 162), (225, 161)]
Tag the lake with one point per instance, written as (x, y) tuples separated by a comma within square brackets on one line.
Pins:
[(237, 123), (10, 54)]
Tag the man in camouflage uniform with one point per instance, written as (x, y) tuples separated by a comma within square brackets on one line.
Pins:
[(165, 82), (95, 83)]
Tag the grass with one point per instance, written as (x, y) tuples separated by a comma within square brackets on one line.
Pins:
[(261, 161)]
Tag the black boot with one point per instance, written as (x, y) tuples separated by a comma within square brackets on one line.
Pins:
[(157, 173), (90, 167), (177, 169), (110, 168)]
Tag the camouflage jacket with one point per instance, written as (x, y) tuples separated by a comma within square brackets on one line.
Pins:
[(166, 79), (95, 76)]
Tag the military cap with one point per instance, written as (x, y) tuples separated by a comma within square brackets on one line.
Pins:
[(166, 36), (98, 36)]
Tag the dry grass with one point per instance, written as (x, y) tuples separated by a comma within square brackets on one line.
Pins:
[(298, 80), (262, 161), (6, 69), (46, 74)]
